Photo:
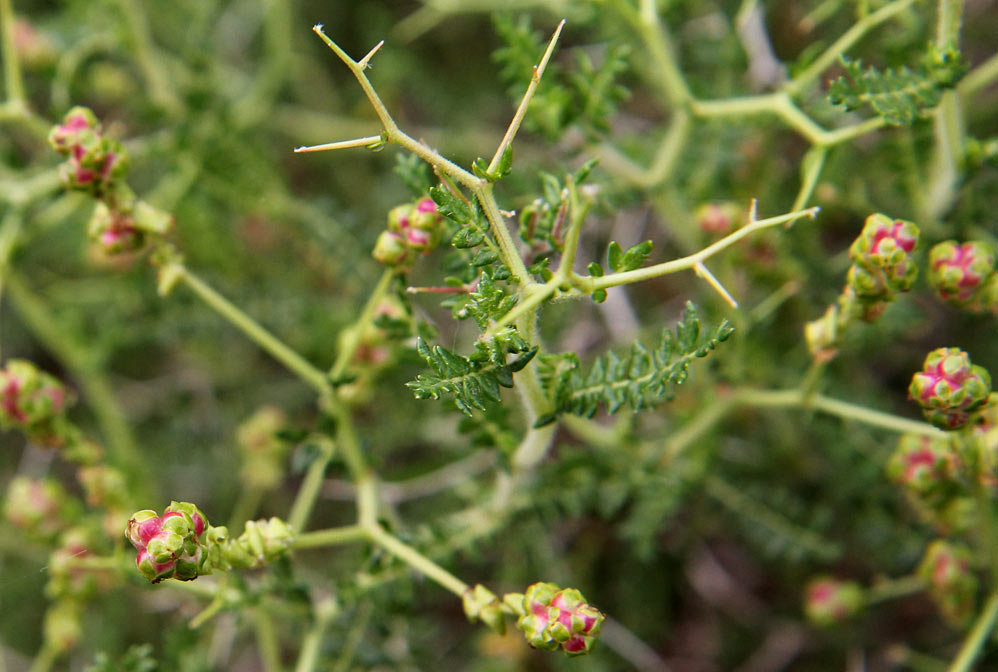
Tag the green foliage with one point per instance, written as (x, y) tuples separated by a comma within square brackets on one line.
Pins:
[(585, 96), (633, 258), (474, 381), (899, 95), (138, 658), (639, 379)]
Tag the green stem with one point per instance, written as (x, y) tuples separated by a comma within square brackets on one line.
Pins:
[(45, 659), (266, 640), (333, 536), (979, 77), (892, 589), (521, 111), (841, 45), (311, 645), (841, 409), (811, 167), (974, 644), (376, 534), (14, 85), (159, 83), (589, 285), (311, 485), (256, 333)]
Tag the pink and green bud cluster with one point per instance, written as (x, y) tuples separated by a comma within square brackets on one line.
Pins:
[(984, 438), (263, 451), (169, 546), (413, 228), (926, 467), (946, 569), (552, 618), (261, 542), (67, 576), (126, 227), (718, 219), (105, 486), (829, 601), (949, 388), (481, 604), (882, 265), (964, 274), (94, 163), (39, 508), (33, 402)]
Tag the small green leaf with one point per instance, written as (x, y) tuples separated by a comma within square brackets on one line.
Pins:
[(613, 254), (595, 270), (506, 161)]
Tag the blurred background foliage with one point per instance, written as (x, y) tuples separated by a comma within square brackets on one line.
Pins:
[(702, 558)]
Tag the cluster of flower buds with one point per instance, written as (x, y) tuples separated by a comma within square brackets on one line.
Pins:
[(34, 402), (949, 388), (552, 617), (829, 601), (263, 451), (965, 275), (946, 569), (41, 509), (882, 267), (413, 228), (169, 546), (181, 544), (97, 165), (68, 578), (261, 542), (934, 473)]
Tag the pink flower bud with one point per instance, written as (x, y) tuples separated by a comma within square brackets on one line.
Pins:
[(552, 618), (718, 219), (34, 402), (169, 546), (949, 387), (957, 272), (398, 217), (830, 601), (952, 583), (882, 266)]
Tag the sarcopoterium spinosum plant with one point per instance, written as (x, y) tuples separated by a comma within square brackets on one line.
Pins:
[(481, 431)]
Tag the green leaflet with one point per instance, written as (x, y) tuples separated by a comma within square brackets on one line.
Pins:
[(474, 381), (899, 95), (638, 379)]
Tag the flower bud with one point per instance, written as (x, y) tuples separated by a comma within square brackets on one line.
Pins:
[(77, 122), (882, 266), (34, 402), (398, 217), (551, 618), (67, 578), (958, 272), (391, 250), (104, 486), (262, 450), (39, 508), (169, 546), (829, 601), (718, 219), (952, 583), (480, 603), (114, 231), (949, 387), (923, 465)]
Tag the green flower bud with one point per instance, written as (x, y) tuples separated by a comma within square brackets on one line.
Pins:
[(391, 250), (946, 568), (831, 601), (480, 603), (552, 618)]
